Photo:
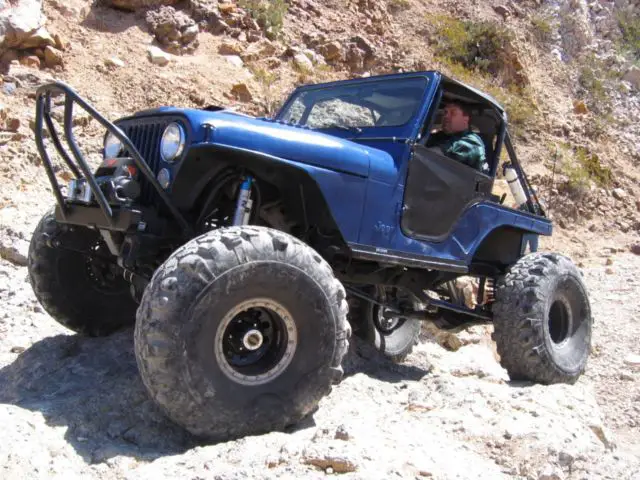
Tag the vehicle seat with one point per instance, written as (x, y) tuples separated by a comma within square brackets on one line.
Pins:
[(393, 118), (489, 148)]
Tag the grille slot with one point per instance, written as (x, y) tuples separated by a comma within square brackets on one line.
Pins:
[(145, 134)]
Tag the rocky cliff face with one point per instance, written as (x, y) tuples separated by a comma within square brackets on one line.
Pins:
[(76, 406)]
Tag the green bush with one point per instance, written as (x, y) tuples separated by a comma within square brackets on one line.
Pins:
[(590, 162), (593, 90), (521, 108), (268, 13), (267, 80), (483, 45), (319, 74), (598, 126), (629, 23), (542, 29), (577, 179), (590, 81), (582, 167)]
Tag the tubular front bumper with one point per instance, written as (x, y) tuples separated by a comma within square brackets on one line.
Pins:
[(100, 214)]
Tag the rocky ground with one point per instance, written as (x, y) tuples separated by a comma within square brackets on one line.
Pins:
[(75, 407)]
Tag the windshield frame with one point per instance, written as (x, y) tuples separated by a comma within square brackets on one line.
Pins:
[(407, 129)]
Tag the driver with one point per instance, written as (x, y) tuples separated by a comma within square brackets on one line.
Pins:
[(456, 140)]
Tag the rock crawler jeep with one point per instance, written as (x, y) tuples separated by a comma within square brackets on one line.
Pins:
[(246, 249)]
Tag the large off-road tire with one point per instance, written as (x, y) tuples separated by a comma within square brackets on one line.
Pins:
[(393, 337), (542, 320), (85, 292), (241, 331)]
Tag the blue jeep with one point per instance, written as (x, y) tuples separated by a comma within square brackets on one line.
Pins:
[(246, 249)]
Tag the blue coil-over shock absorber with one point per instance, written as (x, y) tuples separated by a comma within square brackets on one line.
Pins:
[(244, 202)]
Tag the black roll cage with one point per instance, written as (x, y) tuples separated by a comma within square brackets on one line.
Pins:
[(504, 139), (533, 204)]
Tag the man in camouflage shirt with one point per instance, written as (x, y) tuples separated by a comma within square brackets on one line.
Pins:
[(457, 141)]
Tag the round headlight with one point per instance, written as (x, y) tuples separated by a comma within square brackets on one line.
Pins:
[(172, 143), (112, 146)]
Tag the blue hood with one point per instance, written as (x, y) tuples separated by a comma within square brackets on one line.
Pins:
[(292, 143)]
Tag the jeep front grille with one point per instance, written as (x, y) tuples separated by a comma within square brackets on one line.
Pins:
[(145, 133)]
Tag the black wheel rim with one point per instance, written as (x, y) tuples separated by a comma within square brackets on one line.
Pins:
[(255, 341), (567, 320), (383, 321), (104, 275), (386, 324)]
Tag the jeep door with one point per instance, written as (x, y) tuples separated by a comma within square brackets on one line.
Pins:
[(438, 190)]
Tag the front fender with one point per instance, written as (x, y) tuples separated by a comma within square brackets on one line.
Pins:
[(335, 199)]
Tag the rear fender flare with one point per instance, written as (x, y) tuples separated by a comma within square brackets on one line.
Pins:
[(503, 245)]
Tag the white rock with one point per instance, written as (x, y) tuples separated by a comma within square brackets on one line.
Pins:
[(303, 62), (619, 194), (158, 56), (311, 55), (234, 60), (18, 21), (190, 33), (114, 62), (632, 360)]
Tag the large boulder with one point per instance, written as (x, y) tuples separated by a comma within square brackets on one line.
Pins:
[(175, 30), (133, 5), (52, 57), (332, 51), (208, 15), (633, 76), (360, 54), (19, 20)]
